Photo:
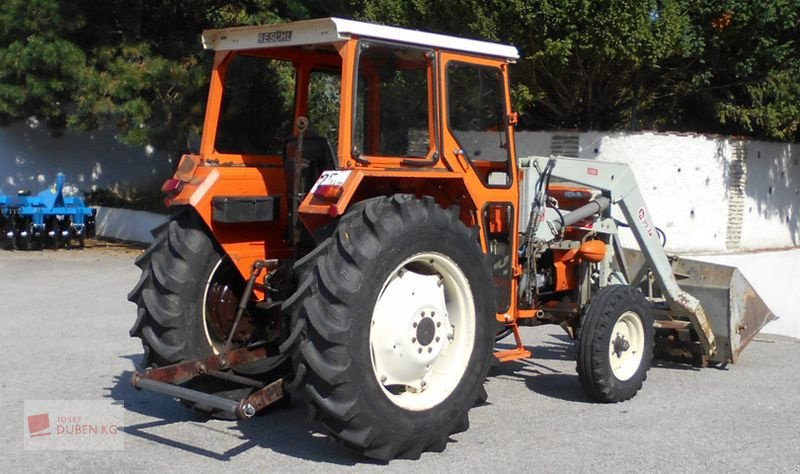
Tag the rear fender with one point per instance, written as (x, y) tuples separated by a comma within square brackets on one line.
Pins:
[(346, 187), (244, 242)]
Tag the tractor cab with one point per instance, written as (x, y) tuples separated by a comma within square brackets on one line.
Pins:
[(379, 110), (380, 96)]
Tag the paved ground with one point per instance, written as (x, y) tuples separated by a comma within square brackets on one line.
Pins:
[(64, 321)]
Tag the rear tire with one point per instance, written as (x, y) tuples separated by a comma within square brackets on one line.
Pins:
[(177, 270), (386, 388), (615, 345)]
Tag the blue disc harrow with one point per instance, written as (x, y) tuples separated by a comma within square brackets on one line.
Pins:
[(48, 219)]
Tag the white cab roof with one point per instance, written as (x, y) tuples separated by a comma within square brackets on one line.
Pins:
[(329, 30)]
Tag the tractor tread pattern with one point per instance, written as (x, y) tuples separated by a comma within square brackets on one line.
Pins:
[(165, 272), (335, 400)]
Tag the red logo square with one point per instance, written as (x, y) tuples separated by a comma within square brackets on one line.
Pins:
[(39, 425)]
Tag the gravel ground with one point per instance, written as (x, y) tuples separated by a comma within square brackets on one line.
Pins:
[(65, 319)]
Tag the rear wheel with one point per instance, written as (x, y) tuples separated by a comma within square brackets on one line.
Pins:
[(400, 328), (186, 301), (615, 346)]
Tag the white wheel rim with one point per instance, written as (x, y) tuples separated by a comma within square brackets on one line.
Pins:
[(422, 331), (626, 347), (215, 348)]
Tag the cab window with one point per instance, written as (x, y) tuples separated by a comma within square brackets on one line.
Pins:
[(324, 96), (257, 106), (392, 111), (476, 117)]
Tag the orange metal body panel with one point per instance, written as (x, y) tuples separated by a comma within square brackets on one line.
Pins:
[(564, 263), (244, 243)]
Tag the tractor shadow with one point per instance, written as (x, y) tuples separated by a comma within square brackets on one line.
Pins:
[(550, 372), (281, 429), (551, 369)]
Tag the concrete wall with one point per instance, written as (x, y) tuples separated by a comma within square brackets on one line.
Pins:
[(126, 224), (30, 159), (775, 276), (709, 194)]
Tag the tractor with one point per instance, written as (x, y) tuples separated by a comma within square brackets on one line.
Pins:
[(357, 230)]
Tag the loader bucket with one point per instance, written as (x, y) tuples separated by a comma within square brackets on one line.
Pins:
[(734, 309)]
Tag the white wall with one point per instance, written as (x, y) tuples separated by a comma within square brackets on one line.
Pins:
[(126, 224), (775, 276), (772, 203), (708, 193), (30, 159), (689, 181)]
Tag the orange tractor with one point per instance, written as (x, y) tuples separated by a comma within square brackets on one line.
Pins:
[(356, 228)]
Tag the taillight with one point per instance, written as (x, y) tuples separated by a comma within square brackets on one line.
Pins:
[(172, 186), (329, 192)]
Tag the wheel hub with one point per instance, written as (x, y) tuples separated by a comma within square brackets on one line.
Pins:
[(221, 302), (426, 330), (409, 329), (620, 345), (625, 349), (422, 331), (221, 307)]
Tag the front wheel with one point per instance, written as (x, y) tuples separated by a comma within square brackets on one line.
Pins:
[(615, 346), (400, 328)]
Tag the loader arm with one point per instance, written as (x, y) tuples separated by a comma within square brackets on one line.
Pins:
[(618, 182)]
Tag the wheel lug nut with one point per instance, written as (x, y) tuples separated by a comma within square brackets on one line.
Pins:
[(437, 338), (413, 339), (414, 325), (422, 314), (430, 349), (439, 324), (419, 350), (383, 378)]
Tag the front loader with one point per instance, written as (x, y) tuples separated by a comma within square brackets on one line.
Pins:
[(356, 229)]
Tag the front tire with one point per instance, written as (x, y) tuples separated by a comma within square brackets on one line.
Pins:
[(615, 346), (400, 328)]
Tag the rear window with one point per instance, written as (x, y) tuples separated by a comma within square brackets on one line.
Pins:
[(257, 106)]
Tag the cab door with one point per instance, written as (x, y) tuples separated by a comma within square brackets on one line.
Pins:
[(478, 140)]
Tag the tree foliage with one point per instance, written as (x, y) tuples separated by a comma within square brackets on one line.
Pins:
[(713, 66), (133, 65), (719, 66), (750, 69)]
